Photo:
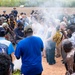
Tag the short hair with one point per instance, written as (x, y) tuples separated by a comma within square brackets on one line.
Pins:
[(2, 32), (21, 13), (20, 24), (67, 45), (5, 62), (71, 28), (11, 16), (14, 8)]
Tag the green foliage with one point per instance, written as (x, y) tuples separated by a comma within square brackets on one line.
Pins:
[(36, 3), (9, 3), (16, 72), (72, 4)]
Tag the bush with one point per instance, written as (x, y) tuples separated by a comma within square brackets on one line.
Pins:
[(8, 3), (36, 3)]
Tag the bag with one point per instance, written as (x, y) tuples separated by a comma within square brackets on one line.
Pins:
[(3, 48)]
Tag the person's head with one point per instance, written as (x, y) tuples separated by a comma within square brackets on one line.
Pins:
[(5, 26), (67, 45), (20, 25), (24, 15), (14, 8), (71, 29), (2, 32), (4, 64), (21, 13), (3, 19), (28, 30), (65, 19), (63, 26), (4, 12), (12, 12), (11, 17)]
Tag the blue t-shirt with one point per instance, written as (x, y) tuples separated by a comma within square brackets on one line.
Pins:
[(8, 44), (29, 49)]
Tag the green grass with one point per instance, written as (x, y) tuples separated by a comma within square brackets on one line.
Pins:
[(16, 72)]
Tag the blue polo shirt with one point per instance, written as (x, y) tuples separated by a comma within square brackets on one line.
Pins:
[(29, 49)]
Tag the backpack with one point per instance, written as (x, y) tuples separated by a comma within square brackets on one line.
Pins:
[(3, 48)]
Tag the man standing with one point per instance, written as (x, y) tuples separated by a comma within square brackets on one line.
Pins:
[(15, 13), (5, 15), (29, 49)]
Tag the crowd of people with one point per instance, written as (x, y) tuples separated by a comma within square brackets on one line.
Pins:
[(30, 38)]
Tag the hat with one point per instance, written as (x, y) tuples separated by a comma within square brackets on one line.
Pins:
[(28, 28), (4, 25), (2, 31)]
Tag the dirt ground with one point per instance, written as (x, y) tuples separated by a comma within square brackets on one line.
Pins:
[(29, 9), (58, 68)]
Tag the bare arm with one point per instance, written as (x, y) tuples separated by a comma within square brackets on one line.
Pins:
[(70, 62), (13, 57)]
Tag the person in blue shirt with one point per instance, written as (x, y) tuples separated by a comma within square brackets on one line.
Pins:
[(29, 49), (10, 48)]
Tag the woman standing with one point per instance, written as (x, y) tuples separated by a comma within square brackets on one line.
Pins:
[(50, 46)]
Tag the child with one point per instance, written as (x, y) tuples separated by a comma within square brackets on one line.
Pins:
[(69, 60)]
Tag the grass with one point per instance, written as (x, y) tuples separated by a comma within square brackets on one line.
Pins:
[(16, 72)]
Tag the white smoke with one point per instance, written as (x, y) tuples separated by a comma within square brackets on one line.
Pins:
[(49, 16)]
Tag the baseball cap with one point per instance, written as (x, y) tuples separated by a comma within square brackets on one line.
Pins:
[(28, 28), (2, 31), (4, 25)]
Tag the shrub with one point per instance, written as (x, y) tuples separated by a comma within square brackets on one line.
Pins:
[(35, 3)]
